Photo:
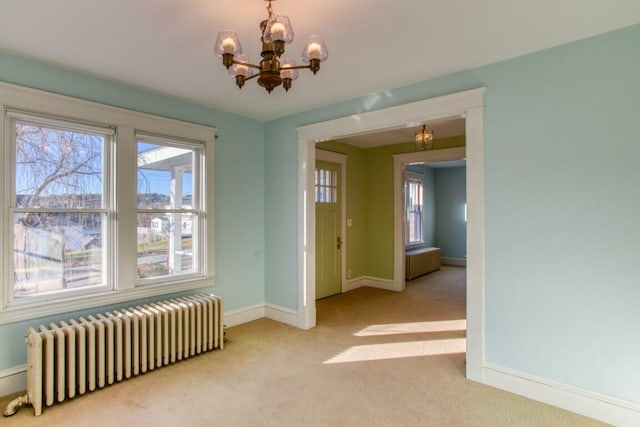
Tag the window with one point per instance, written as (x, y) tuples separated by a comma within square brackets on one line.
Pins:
[(326, 186), (169, 208), (414, 208), (61, 206), (99, 205)]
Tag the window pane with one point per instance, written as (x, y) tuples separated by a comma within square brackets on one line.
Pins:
[(165, 176), (414, 211), (55, 251), (165, 244), (57, 168), (326, 186)]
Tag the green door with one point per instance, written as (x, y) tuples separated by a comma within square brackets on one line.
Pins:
[(328, 229)]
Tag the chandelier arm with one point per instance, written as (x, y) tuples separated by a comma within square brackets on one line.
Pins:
[(251, 77), (298, 67), (247, 64)]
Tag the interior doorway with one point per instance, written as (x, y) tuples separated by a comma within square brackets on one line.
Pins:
[(468, 104)]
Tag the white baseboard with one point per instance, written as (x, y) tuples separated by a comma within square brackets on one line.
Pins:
[(13, 380), (282, 314), (352, 284), (599, 406), (244, 315), (258, 311), (372, 282), (461, 262), (376, 282)]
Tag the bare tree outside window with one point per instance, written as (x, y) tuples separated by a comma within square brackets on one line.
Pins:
[(59, 218)]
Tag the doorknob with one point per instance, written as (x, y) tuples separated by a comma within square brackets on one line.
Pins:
[(338, 242)]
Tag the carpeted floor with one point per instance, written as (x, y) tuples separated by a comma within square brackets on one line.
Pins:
[(376, 358)]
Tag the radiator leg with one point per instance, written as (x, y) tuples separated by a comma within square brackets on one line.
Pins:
[(16, 404)]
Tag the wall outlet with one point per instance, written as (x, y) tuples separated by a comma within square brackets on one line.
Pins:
[(349, 222), (349, 274)]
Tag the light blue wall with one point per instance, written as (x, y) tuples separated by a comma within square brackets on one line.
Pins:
[(451, 198), (239, 219), (561, 206), (429, 190)]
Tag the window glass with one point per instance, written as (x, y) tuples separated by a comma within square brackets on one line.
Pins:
[(414, 210), (59, 219), (168, 209), (326, 186)]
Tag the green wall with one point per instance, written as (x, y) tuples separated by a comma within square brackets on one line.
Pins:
[(561, 201), (370, 203)]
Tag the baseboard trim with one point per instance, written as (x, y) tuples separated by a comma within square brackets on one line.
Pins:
[(244, 315), (376, 282), (460, 262), (282, 314), (352, 284), (13, 380), (599, 406)]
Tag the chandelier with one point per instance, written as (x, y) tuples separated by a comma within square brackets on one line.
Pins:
[(276, 32), (424, 139)]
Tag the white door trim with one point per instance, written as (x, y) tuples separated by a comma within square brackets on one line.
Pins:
[(341, 159), (468, 104)]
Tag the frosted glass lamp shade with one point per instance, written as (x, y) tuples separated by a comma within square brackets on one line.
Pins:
[(286, 72), (278, 28), (241, 69), (314, 49), (227, 42)]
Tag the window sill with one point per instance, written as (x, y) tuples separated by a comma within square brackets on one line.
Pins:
[(413, 245), (21, 312)]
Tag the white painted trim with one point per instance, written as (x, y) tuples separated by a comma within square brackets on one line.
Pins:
[(467, 104), (475, 241), (19, 313), (13, 380), (460, 262), (282, 314), (330, 156), (355, 283), (599, 406), (306, 235), (341, 159), (244, 315), (376, 282)]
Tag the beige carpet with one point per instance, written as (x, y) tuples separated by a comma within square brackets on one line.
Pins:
[(376, 358)]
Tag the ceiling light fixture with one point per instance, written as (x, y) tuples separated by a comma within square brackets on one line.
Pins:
[(424, 139), (276, 31)]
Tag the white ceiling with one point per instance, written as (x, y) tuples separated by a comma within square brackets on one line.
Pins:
[(443, 128), (166, 46)]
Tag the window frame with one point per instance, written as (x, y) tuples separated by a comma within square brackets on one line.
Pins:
[(124, 187), (408, 178), (15, 117)]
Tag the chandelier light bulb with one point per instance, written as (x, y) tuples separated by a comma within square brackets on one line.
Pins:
[(277, 31), (228, 45), (314, 50)]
